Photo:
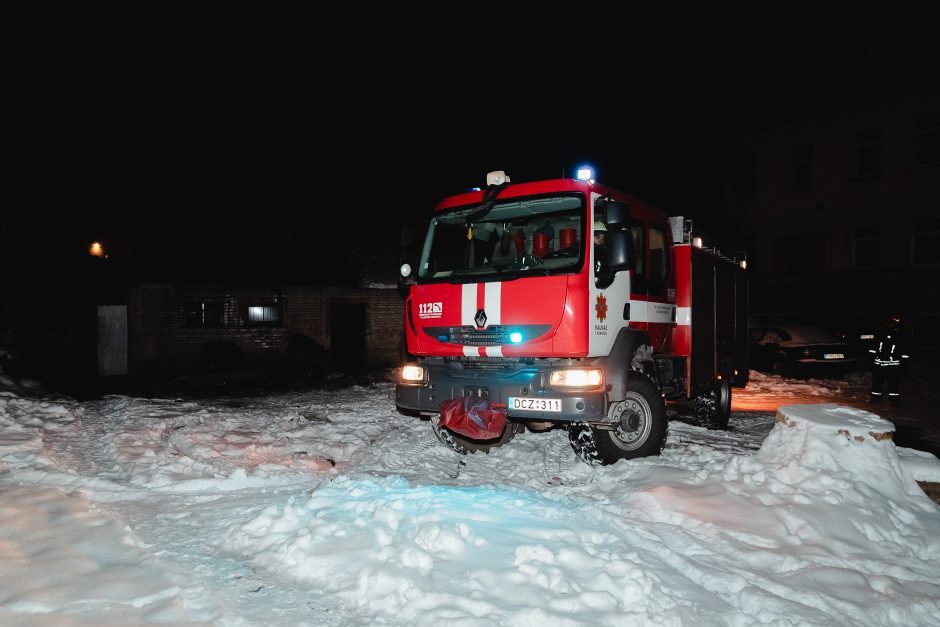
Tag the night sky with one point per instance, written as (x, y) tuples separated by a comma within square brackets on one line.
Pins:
[(208, 158)]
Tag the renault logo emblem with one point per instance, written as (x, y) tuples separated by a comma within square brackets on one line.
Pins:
[(480, 318)]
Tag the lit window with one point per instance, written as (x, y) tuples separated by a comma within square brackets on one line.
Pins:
[(264, 314)]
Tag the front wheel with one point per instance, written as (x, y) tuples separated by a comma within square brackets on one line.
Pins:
[(637, 427), (464, 445)]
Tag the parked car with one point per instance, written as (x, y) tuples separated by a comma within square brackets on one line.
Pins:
[(798, 350)]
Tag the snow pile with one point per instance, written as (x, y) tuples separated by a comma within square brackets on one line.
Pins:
[(427, 554), (33, 432), (59, 555), (761, 383), (824, 516), (326, 507), (823, 524), (182, 446), (922, 466)]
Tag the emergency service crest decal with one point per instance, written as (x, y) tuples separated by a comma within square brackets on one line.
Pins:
[(600, 308)]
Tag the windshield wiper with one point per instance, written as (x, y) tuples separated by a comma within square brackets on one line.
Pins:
[(489, 201)]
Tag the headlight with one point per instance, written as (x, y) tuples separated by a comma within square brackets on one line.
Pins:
[(412, 373), (577, 378)]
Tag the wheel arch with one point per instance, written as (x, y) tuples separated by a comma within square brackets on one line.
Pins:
[(618, 366)]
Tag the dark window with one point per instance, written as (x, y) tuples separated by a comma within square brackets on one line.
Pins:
[(927, 139), (638, 233), (263, 311), (925, 331), (204, 314), (869, 152), (659, 258), (803, 166), (925, 244), (866, 246), (748, 182)]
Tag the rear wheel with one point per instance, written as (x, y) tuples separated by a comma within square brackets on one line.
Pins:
[(464, 445), (637, 427), (714, 406)]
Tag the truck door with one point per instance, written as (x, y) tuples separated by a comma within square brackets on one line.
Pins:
[(661, 304)]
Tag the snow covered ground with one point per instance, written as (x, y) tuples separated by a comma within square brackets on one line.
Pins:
[(328, 507)]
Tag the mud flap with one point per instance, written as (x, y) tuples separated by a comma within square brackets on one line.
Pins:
[(473, 418)]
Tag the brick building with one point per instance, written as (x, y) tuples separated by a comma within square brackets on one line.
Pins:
[(839, 212), (172, 324)]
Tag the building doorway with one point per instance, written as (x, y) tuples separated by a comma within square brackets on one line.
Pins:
[(112, 340)]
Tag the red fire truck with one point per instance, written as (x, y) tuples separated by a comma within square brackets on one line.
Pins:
[(514, 299)]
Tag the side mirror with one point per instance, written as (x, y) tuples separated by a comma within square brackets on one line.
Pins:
[(618, 213), (619, 251)]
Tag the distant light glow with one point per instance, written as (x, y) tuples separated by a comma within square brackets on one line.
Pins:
[(585, 173), (697, 242), (743, 264), (96, 250), (515, 337)]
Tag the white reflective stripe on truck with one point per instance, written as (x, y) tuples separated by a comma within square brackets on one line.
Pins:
[(684, 316)]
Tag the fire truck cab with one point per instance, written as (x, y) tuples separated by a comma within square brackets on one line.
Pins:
[(571, 304)]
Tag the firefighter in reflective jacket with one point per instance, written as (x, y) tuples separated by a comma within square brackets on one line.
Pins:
[(888, 355)]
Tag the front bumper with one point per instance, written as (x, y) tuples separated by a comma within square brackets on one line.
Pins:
[(497, 380)]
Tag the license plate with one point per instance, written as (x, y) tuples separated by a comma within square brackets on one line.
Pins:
[(534, 404), (833, 356)]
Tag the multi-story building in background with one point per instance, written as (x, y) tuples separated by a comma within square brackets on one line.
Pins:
[(839, 212)]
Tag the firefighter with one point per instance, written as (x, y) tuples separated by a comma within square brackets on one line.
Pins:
[(600, 248), (888, 356)]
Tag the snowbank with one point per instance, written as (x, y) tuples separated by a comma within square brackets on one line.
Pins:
[(328, 507), (823, 524), (60, 555)]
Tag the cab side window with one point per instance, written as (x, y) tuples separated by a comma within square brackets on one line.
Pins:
[(659, 261), (638, 232)]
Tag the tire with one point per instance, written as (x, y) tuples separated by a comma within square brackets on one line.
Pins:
[(464, 446), (581, 438), (640, 432), (713, 408)]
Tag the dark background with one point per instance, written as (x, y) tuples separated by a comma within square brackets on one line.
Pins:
[(266, 150), (194, 161)]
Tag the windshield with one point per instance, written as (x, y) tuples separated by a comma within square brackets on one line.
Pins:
[(532, 235)]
